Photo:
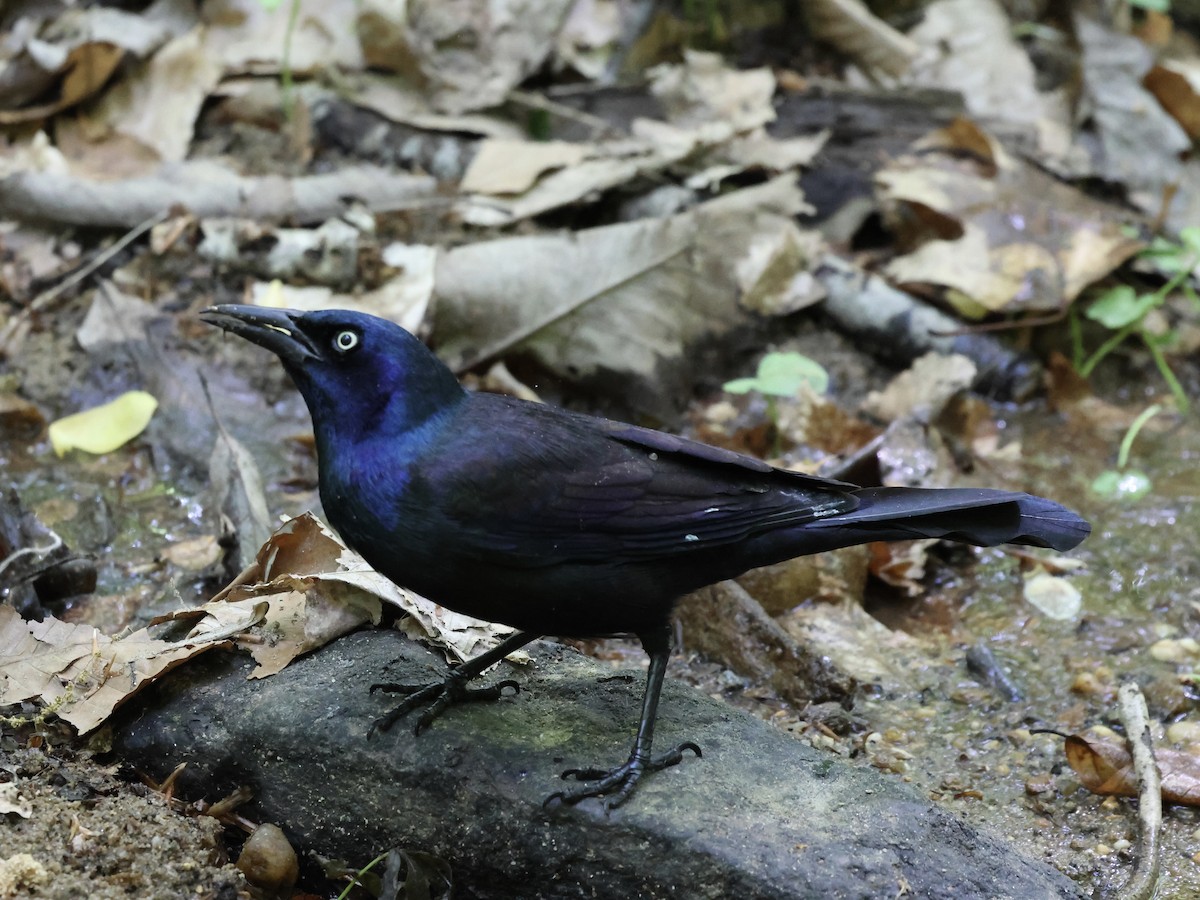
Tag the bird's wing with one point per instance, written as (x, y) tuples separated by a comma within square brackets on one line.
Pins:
[(543, 487)]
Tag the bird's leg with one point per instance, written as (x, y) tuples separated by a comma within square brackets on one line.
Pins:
[(453, 688), (617, 784)]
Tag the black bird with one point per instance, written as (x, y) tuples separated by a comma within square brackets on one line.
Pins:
[(559, 523)]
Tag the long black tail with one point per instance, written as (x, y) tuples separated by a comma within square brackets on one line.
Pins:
[(982, 517)]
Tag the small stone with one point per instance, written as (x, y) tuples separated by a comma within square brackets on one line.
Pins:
[(194, 554), (1039, 784), (268, 860), (1183, 732), (1181, 650)]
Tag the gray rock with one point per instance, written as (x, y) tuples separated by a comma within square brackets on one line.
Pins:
[(759, 816)]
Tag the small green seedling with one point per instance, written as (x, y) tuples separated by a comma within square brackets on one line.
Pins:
[(1122, 483), (286, 84), (1123, 310), (782, 375)]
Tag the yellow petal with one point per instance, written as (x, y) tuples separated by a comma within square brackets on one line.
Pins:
[(102, 429)]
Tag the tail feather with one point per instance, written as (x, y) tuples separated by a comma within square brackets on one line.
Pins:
[(973, 516)]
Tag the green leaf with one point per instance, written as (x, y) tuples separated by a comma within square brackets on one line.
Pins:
[(1190, 239), (1127, 485), (1121, 306), (741, 385), (783, 374)]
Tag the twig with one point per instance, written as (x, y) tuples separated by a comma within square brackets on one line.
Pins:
[(47, 297), (44, 299), (563, 111), (1144, 881), (30, 551)]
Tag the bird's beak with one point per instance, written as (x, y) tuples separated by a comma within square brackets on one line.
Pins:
[(274, 329)]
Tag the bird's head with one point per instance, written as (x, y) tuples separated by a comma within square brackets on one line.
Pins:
[(357, 373)]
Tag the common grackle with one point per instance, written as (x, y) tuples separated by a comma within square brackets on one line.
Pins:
[(559, 523)]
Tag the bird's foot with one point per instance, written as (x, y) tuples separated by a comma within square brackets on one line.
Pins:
[(617, 784), (439, 696)]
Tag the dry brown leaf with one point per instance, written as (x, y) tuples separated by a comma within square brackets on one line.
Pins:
[(194, 554), (901, 564), (704, 89), (85, 71), (512, 167), (246, 36), (968, 46), (599, 167), (1104, 766), (395, 98), (465, 55), (851, 27), (1071, 395), (1134, 141), (315, 590), (636, 295), (995, 233), (1176, 85), (78, 673), (304, 589), (922, 389), (158, 104)]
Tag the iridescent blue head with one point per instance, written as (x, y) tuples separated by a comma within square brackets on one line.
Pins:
[(359, 374)]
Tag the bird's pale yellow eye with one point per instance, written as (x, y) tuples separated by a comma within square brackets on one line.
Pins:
[(345, 341)]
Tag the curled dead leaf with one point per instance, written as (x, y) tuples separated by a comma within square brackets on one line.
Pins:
[(1104, 766)]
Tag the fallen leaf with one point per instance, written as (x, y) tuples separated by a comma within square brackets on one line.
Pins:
[(995, 233), (249, 36), (704, 89), (466, 55), (969, 46), (922, 389), (1136, 143), (1176, 85), (512, 167), (157, 104), (114, 317), (396, 99), (1104, 766), (78, 673), (635, 295), (103, 429), (901, 564), (315, 589), (851, 27)]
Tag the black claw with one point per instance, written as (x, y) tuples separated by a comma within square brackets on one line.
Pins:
[(439, 696), (391, 687), (617, 784)]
